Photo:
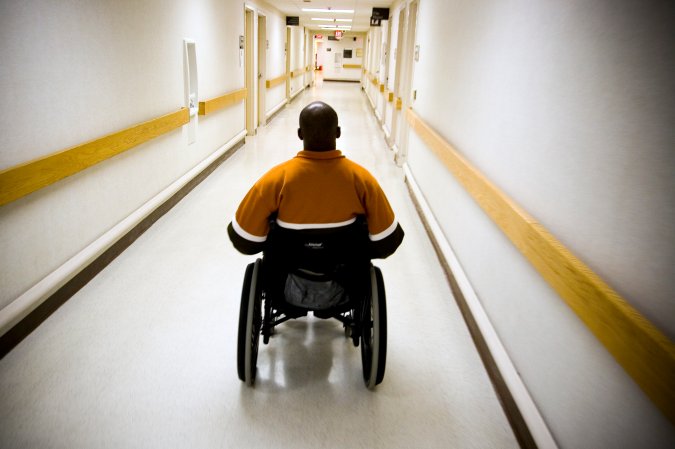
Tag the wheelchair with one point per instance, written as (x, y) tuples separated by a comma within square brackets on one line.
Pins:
[(323, 271)]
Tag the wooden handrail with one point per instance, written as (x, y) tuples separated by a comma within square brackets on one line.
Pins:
[(391, 96), (21, 180), (215, 104), (646, 354), (399, 103), (276, 81), (382, 88), (297, 72), (351, 66)]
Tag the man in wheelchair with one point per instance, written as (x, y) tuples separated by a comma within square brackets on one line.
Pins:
[(319, 219), (318, 189)]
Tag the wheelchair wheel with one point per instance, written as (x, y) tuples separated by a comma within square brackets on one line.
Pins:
[(250, 322), (374, 331)]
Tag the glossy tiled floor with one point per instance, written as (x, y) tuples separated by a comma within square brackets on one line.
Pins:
[(144, 355)]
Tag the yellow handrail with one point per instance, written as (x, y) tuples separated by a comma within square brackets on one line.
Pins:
[(21, 180), (215, 104), (276, 81), (644, 352)]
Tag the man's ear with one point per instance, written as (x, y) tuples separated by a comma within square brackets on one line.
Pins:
[(338, 131), (300, 133)]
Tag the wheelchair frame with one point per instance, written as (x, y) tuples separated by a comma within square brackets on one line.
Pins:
[(364, 320)]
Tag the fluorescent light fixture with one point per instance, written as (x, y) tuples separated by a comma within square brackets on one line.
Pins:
[(335, 27), (340, 11), (325, 19)]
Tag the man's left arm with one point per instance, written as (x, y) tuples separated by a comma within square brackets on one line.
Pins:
[(385, 233)]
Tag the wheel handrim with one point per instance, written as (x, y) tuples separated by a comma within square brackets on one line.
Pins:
[(253, 324)]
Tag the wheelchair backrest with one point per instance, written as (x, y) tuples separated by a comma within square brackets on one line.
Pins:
[(318, 250)]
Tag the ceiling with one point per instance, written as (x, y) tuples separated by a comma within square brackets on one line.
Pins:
[(360, 17)]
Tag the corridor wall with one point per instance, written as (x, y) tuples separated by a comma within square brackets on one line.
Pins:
[(567, 107), (74, 72), (349, 68), (276, 57)]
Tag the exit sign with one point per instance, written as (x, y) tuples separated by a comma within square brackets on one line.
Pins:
[(338, 34)]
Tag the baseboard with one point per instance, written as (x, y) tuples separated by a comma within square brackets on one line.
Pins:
[(338, 80), (527, 423), (27, 312), (370, 100), (298, 92), (387, 134), (275, 111)]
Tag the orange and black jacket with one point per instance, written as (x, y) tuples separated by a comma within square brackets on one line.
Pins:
[(315, 190)]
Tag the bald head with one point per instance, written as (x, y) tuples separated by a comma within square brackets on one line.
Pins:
[(318, 127)]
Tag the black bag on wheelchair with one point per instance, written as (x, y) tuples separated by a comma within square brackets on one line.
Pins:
[(314, 294)]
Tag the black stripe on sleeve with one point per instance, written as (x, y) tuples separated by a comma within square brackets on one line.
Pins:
[(384, 248)]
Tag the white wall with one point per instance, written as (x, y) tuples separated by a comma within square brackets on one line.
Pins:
[(568, 107), (75, 71), (332, 71)]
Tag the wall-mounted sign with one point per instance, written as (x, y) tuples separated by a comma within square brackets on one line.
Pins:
[(318, 36), (380, 13), (292, 20), (338, 34)]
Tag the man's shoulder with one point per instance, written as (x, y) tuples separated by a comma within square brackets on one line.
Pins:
[(359, 170)]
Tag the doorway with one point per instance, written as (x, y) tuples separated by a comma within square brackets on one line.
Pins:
[(407, 82), (398, 56), (262, 68), (288, 63), (249, 71)]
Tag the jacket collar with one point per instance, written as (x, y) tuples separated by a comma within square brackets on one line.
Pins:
[(332, 154)]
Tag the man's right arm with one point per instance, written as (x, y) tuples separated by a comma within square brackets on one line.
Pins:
[(385, 233), (385, 247)]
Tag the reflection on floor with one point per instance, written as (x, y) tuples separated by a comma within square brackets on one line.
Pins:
[(144, 355)]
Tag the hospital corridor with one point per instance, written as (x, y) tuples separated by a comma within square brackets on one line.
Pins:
[(530, 304)]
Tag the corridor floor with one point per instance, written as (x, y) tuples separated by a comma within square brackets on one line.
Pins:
[(144, 355)]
